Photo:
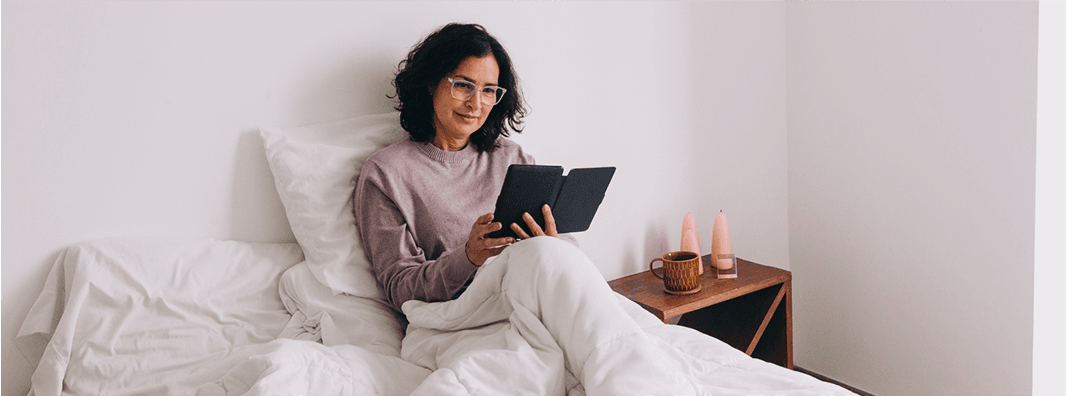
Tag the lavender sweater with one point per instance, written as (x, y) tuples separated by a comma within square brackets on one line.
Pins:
[(414, 206)]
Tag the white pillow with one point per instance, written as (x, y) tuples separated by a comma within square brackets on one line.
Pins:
[(314, 169)]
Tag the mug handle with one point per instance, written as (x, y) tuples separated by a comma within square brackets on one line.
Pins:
[(650, 267)]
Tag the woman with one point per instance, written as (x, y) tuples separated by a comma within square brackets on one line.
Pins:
[(423, 209), (417, 199)]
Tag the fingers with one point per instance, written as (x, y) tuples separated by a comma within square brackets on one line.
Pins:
[(486, 229), (535, 228), (550, 222), (478, 247), (519, 231), (484, 225), (494, 242)]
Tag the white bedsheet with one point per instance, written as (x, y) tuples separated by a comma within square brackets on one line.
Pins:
[(153, 316), (337, 319)]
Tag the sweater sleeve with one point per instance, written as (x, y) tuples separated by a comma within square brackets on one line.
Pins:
[(398, 263)]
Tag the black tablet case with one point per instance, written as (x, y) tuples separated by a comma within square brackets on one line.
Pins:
[(574, 198)]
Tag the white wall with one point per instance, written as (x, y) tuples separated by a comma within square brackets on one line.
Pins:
[(911, 193), (631, 87), (1050, 254), (139, 118), (740, 69)]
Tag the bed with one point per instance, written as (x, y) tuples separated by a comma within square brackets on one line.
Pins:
[(139, 315)]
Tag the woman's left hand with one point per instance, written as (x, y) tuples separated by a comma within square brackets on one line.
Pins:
[(550, 225)]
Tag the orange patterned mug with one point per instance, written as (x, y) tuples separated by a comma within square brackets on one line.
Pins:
[(681, 272)]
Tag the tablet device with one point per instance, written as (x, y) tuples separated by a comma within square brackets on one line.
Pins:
[(574, 198)]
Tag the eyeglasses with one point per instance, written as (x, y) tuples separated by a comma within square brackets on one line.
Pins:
[(464, 90)]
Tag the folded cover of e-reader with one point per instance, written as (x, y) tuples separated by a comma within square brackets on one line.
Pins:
[(574, 198)]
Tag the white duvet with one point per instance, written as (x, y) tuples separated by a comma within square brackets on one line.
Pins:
[(205, 318), (501, 337)]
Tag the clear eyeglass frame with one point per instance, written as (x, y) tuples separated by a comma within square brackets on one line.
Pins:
[(464, 90)]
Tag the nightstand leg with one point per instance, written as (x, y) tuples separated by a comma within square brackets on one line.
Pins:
[(789, 324)]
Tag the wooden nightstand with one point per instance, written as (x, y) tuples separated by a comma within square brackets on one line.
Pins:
[(753, 312)]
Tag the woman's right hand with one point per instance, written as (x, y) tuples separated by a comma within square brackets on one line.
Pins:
[(480, 248)]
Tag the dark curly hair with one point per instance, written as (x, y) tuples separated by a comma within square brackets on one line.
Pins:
[(433, 59)]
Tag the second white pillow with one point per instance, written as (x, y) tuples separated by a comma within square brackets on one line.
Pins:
[(314, 168)]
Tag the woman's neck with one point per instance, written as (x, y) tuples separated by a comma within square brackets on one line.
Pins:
[(448, 144)]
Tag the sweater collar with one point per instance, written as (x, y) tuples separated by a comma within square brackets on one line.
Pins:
[(449, 157)]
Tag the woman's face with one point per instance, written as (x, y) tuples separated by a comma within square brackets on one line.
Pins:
[(455, 120)]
